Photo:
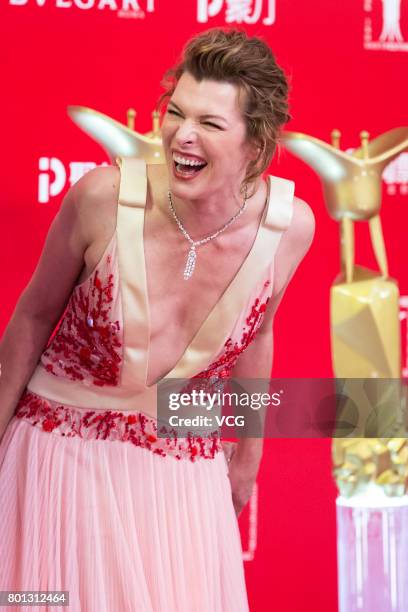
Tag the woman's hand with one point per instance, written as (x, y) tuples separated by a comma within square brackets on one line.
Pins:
[(242, 475)]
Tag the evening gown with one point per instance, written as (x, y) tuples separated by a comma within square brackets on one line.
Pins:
[(92, 501)]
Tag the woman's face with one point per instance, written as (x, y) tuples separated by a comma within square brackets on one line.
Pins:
[(204, 139)]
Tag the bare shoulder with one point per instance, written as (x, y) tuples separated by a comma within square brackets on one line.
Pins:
[(98, 182), (297, 239), (294, 244), (302, 228), (96, 196)]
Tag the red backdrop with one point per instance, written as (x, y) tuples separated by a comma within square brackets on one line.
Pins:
[(98, 54)]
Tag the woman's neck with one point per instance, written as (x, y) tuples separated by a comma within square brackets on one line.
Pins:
[(212, 212)]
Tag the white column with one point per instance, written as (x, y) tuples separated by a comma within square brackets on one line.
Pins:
[(372, 553)]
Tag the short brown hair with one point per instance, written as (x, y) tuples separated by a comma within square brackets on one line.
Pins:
[(230, 55)]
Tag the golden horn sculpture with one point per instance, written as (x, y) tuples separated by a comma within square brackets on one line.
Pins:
[(352, 183), (365, 331), (118, 139)]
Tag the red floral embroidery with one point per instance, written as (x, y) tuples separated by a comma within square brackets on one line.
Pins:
[(136, 428), (87, 345), (48, 425)]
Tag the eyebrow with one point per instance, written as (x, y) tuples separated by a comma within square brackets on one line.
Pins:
[(202, 116)]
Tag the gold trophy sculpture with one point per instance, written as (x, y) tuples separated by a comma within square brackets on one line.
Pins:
[(365, 329), (119, 140)]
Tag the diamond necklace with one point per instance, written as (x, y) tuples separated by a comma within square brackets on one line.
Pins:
[(192, 254)]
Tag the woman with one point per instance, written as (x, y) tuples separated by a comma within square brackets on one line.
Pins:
[(93, 501)]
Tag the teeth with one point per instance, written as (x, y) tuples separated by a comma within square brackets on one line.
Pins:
[(188, 162)]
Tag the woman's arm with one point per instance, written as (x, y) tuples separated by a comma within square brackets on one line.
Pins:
[(256, 361), (44, 299)]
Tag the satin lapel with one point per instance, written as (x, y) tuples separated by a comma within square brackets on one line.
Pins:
[(218, 325), (130, 223)]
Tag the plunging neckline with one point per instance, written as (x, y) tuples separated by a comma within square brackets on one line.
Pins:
[(218, 304)]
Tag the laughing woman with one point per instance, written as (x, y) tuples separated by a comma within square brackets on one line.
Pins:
[(150, 272)]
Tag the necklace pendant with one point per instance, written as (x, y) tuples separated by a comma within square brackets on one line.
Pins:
[(190, 263)]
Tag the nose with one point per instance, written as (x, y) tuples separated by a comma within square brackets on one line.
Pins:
[(186, 133)]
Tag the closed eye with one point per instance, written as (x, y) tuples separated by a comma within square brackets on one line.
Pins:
[(173, 112), (213, 125)]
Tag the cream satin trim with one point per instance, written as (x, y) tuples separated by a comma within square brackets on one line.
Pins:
[(280, 210), (72, 393), (209, 339), (132, 269), (133, 181)]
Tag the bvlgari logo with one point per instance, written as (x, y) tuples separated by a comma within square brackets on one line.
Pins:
[(129, 9), (238, 11), (389, 36)]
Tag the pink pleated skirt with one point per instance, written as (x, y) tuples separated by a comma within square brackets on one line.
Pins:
[(115, 516)]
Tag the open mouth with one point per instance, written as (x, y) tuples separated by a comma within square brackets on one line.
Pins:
[(188, 167)]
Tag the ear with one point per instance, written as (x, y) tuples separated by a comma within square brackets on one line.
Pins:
[(254, 150)]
